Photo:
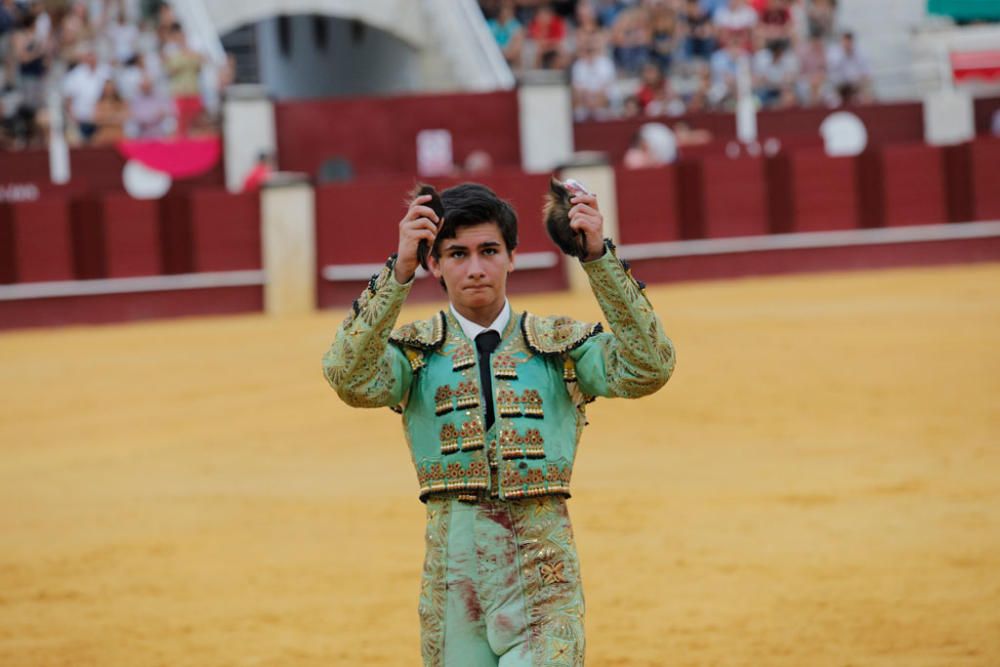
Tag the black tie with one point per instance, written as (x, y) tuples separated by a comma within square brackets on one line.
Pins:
[(486, 342)]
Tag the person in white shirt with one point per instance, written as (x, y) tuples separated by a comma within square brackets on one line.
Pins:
[(593, 78), (735, 23), (849, 71), (82, 88)]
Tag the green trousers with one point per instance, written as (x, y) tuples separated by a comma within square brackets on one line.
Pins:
[(501, 584)]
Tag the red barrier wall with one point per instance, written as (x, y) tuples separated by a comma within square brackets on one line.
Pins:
[(735, 197), (647, 205), (378, 135), (43, 246), (225, 231), (131, 236), (93, 171), (914, 185), (614, 136), (886, 123), (824, 192), (984, 108), (101, 308), (985, 156)]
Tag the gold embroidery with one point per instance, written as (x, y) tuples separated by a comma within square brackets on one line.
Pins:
[(449, 439), (472, 435), (552, 573), (532, 402), (467, 394), (507, 403), (442, 400), (514, 445), (504, 367), (555, 335), (463, 357)]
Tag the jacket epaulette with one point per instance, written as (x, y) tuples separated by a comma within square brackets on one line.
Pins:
[(556, 334), (423, 334)]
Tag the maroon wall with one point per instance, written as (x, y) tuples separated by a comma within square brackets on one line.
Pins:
[(93, 170), (985, 164), (131, 235), (648, 207), (379, 135), (985, 107), (824, 192), (914, 185), (225, 231), (886, 123), (735, 197), (42, 241)]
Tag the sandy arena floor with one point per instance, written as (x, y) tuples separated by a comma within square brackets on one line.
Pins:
[(818, 485)]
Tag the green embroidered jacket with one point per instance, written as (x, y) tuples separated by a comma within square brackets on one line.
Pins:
[(545, 370)]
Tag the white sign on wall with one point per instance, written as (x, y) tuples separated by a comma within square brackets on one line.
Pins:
[(434, 153)]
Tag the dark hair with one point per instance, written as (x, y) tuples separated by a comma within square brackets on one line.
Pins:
[(473, 204)]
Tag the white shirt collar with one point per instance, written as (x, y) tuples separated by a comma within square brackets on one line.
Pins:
[(471, 329)]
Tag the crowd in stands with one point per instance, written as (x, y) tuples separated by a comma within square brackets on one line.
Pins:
[(630, 58), (119, 68)]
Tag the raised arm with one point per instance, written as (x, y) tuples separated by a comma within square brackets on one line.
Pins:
[(636, 358), (360, 364)]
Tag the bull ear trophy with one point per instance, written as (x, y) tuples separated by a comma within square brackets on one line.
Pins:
[(423, 248), (555, 213)]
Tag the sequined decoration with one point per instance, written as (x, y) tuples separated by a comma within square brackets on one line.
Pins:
[(467, 394), (514, 445), (449, 439), (442, 400), (505, 367), (463, 357), (532, 402), (507, 403), (472, 435)]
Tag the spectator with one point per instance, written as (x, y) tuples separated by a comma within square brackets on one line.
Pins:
[(776, 23), (607, 11), (665, 101), (651, 79), (812, 71), (586, 24), (735, 23), (110, 115), (656, 95), (129, 77), (150, 112), (31, 56), (508, 33), (75, 32), (654, 145), (548, 32), (820, 16), (261, 171), (725, 66), (123, 38), (631, 40), (183, 66), (775, 70), (82, 88), (849, 72), (665, 35), (712, 6), (592, 77), (699, 42)]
